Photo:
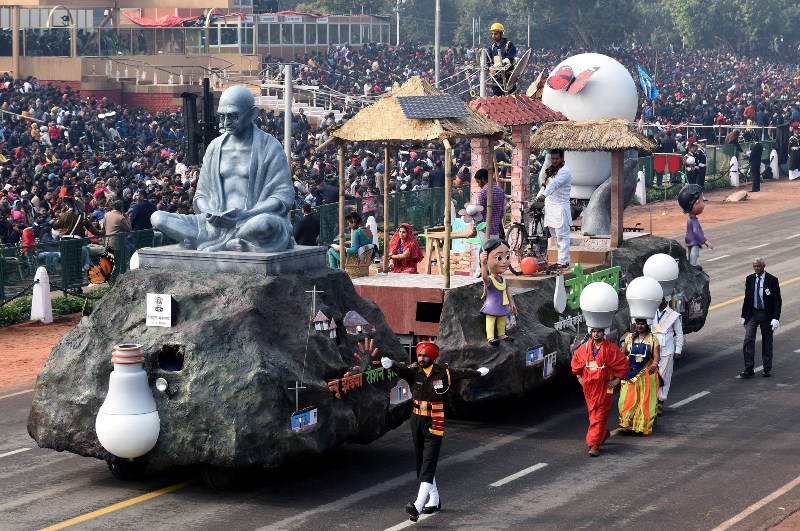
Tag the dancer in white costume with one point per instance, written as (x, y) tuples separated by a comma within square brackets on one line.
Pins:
[(668, 329)]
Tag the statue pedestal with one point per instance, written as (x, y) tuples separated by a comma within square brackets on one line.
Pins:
[(173, 257)]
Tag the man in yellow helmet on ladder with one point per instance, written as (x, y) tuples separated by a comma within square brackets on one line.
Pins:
[(502, 58)]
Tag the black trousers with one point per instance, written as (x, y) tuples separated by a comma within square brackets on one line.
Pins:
[(758, 318), (756, 177), (426, 447)]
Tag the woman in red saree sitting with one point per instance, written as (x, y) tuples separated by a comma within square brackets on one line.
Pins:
[(404, 251)]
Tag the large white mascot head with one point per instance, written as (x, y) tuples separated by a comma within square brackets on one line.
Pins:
[(590, 86)]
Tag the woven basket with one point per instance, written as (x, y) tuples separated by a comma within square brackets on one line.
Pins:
[(358, 268)]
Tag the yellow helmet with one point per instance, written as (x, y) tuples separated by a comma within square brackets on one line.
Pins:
[(497, 27)]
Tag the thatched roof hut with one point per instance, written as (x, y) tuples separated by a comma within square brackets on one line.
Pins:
[(608, 134), (384, 121)]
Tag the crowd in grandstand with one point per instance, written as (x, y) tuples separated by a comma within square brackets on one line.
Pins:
[(56, 143)]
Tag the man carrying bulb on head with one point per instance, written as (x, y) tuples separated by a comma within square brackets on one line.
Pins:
[(429, 384), (668, 329)]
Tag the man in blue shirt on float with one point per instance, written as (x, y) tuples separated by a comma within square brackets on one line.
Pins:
[(502, 57)]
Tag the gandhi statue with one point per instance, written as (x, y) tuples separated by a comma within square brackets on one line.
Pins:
[(244, 192)]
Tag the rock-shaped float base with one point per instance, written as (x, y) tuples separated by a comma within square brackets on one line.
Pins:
[(238, 343), (462, 335)]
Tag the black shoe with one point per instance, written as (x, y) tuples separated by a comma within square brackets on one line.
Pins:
[(430, 509), (413, 513), (766, 374), (746, 374), (494, 342)]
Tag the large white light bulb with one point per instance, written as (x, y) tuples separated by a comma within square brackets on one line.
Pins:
[(128, 424)]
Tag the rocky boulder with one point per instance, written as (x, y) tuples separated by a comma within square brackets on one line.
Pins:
[(237, 346), (463, 338)]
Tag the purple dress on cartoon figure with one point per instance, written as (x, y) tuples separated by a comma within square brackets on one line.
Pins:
[(694, 232), (493, 305)]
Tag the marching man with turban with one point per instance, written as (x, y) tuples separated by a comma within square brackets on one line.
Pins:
[(429, 384)]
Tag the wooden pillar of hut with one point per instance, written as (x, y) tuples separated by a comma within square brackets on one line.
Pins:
[(617, 196), (386, 208), (342, 251), (448, 198)]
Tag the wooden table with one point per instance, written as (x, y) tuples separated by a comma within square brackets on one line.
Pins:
[(434, 245)]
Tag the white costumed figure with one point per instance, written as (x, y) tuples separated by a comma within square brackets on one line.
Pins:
[(668, 329)]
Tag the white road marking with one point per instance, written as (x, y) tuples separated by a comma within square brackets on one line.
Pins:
[(792, 237), (14, 452), (796, 351), (408, 523), (758, 505), (518, 475), (467, 456), (718, 258), (690, 399), (17, 393), (758, 246)]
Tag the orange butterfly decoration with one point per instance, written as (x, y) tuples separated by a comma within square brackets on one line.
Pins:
[(537, 87), (102, 271)]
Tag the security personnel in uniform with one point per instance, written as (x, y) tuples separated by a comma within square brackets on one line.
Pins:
[(701, 159), (691, 155), (794, 152), (503, 57), (429, 384)]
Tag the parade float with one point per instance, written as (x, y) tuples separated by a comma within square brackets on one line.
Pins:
[(235, 360)]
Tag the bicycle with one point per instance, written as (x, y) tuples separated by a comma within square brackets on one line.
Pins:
[(527, 241)]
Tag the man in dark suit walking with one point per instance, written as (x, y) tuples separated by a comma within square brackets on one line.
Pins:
[(755, 165), (761, 308)]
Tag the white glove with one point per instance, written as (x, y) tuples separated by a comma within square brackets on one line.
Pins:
[(743, 321), (506, 61), (484, 371), (386, 363), (775, 324)]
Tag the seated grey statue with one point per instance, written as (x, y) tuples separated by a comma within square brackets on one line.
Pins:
[(244, 191)]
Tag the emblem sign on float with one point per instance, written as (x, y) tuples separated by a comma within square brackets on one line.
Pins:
[(159, 310)]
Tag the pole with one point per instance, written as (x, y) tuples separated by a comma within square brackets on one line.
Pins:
[(617, 196), (655, 76), (15, 33), (386, 207), (482, 53), (529, 29), (437, 41), (448, 195), (490, 190), (341, 206), (397, 10), (287, 113), (208, 113)]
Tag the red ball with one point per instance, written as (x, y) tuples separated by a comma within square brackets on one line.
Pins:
[(528, 265)]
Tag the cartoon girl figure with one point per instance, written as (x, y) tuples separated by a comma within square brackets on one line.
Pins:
[(498, 304)]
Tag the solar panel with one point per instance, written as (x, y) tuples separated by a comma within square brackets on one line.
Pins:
[(430, 107)]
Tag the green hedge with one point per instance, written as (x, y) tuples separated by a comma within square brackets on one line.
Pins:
[(19, 311)]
